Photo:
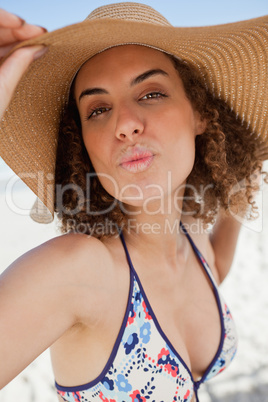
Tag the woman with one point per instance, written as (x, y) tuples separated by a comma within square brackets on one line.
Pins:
[(134, 307)]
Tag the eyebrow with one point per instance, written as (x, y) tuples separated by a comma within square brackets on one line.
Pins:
[(140, 78), (92, 91), (148, 74)]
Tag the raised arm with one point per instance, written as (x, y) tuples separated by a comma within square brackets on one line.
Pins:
[(217, 246), (223, 238), (226, 230), (14, 30)]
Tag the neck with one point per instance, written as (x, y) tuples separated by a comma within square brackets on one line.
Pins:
[(157, 234)]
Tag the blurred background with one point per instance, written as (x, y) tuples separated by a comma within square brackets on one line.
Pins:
[(245, 289)]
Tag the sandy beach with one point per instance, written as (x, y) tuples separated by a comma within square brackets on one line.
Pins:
[(245, 290)]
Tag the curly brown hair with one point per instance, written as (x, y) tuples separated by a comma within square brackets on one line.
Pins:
[(228, 155)]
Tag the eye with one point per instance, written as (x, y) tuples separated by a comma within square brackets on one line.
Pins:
[(154, 95), (97, 112)]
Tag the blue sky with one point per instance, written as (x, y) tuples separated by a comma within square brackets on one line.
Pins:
[(56, 14)]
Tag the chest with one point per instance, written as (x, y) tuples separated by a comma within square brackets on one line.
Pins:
[(183, 312)]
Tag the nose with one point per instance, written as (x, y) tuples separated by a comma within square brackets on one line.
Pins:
[(129, 124)]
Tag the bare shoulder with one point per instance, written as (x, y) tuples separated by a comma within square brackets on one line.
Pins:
[(84, 266), (72, 252), (201, 238), (64, 254), (69, 265)]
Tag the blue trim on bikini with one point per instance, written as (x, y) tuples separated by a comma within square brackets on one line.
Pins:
[(152, 314), (216, 293), (215, 290), (133, 274), (113, 353)]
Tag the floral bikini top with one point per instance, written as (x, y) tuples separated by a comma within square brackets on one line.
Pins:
[(144, 365)]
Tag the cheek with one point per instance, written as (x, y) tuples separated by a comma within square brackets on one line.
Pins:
[(95, 149), (181, 121), (180, 155), (98, 153), (179, 134)]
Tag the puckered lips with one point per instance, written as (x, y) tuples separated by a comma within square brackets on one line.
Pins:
[(137, 159)]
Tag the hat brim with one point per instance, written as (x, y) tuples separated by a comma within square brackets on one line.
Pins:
[(234, 56)]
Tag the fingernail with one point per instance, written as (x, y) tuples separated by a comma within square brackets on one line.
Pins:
[(44, 29), (39, 53), (21, 20)]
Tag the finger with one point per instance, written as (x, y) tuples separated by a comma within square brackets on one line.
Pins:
[(12, 70), (6, 36), (27, 31), (9, 20), (4, 50)]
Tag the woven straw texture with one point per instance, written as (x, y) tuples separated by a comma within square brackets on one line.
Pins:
[(235, 57)]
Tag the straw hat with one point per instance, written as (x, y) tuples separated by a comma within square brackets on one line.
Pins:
[(234, 55)]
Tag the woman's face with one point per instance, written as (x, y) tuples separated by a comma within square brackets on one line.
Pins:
[(138, 126)]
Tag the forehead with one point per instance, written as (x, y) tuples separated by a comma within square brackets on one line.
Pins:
[(125, 59)]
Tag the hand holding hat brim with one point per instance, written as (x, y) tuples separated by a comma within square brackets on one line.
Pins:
[(13, 30)]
